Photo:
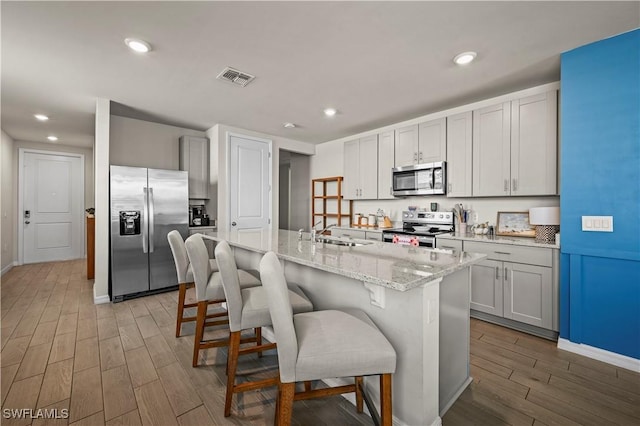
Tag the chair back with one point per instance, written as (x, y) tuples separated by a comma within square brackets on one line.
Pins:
[(199, 258), (179, 255), (275, 284), (230, 283)]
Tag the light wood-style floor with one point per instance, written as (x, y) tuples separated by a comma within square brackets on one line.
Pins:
[(120, 364)]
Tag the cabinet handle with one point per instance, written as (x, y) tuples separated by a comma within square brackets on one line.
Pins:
[(420, 156), (506, 185), (502, 252), (391, 190), (505, 273), (450, 186), (514, 184), (415, 156), (448, 247), (497, 273)]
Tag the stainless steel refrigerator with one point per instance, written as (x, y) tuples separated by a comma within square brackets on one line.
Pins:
[(146, 204)]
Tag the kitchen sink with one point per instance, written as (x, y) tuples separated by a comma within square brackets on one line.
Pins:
[(342, 242)]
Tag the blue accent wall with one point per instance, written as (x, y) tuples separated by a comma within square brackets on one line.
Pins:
[(600, 176)]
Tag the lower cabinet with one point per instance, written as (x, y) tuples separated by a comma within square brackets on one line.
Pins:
[(523, 292), (360, 234)]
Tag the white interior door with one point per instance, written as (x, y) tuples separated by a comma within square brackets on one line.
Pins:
[(249, 184), (52, 207)]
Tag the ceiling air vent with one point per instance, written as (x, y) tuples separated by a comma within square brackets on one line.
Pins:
[(236, 77)]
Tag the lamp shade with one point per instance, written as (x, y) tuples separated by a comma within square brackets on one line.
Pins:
[(544, 216)]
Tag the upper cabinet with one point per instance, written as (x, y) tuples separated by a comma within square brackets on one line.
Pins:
[(459, 155), (423, 143), (534, 145), (515, 147), (491, 151), (406, 148), (361, 168), (432, 137), (194, 158), (386, 162)]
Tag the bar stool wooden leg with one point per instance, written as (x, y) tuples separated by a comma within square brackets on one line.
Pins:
[(359, 399), (285, 408), (386, 417), (232, 364), (258, 331), (182, 292), (200, 320)]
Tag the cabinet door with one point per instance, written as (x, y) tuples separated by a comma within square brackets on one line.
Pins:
[(194, 158), (351, 169), (491, 150), (406, 146), (534, 145), (348, 233), (459, 155), (432, 141), (486, 287), (369, 167), (527, 294), (386, 147), (374, 236)]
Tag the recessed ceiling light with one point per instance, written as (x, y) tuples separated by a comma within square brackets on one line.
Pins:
[(41, 117), (289, 125), (464, 58), (137, 45), (330, 112), (52, 138)]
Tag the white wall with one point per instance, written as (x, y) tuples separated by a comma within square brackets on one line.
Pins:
[(7, 203), (101, 171), (300, 192), (219, 179), (139, 143)]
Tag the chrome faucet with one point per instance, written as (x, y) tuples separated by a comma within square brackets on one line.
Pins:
[(327, 228), (313, 231)]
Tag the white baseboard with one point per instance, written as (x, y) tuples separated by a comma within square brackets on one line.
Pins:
[(613, 358), (8, 268), (98, 300)]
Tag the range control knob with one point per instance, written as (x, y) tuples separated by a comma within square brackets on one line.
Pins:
[(405, 215), (441, 216)]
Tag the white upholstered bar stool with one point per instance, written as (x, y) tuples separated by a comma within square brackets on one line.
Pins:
[(185, 279), (208, 290), (248, 309), (324, 344)]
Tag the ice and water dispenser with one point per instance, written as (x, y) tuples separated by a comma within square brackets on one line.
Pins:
[(130, 222)]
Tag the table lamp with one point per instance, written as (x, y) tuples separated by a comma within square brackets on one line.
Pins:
[(547, 222)]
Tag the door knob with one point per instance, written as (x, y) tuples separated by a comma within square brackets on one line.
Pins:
[(27, 222), (233, 224)]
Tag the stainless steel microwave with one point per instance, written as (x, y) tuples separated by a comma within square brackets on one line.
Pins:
[(420, 179)]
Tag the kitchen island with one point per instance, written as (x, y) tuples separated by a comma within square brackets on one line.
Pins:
[(419, 298)]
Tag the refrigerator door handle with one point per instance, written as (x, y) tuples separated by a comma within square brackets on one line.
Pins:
[(145, 219), (151, 221)]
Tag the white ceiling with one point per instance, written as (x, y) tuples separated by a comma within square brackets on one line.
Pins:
[(376, 62)]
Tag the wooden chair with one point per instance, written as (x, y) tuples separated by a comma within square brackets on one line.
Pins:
[(185, 279), (248, 309), (324, 344), (209, 290)]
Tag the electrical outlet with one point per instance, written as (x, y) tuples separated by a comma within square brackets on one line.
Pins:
[(597, 223)]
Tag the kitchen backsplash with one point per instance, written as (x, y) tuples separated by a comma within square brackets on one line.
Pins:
[(486, 208)]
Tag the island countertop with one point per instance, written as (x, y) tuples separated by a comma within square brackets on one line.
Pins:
[(393, 266)]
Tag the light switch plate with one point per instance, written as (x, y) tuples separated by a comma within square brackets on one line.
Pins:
[(597, 223)]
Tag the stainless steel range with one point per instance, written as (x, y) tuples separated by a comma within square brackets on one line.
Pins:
[(419, 228)]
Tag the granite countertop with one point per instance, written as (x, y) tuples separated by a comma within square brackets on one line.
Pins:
[(514, 241), (389, 265)]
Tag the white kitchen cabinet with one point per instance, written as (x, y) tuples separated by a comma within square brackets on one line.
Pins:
[(386, 162), (194, 158), (516, 283), (432, 141), (423, 143), (527, 294), (534, 145), (515, 147), (491, 150), (459, 155), (447, 244), (487, 287), (360, 168), (406, 147)]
